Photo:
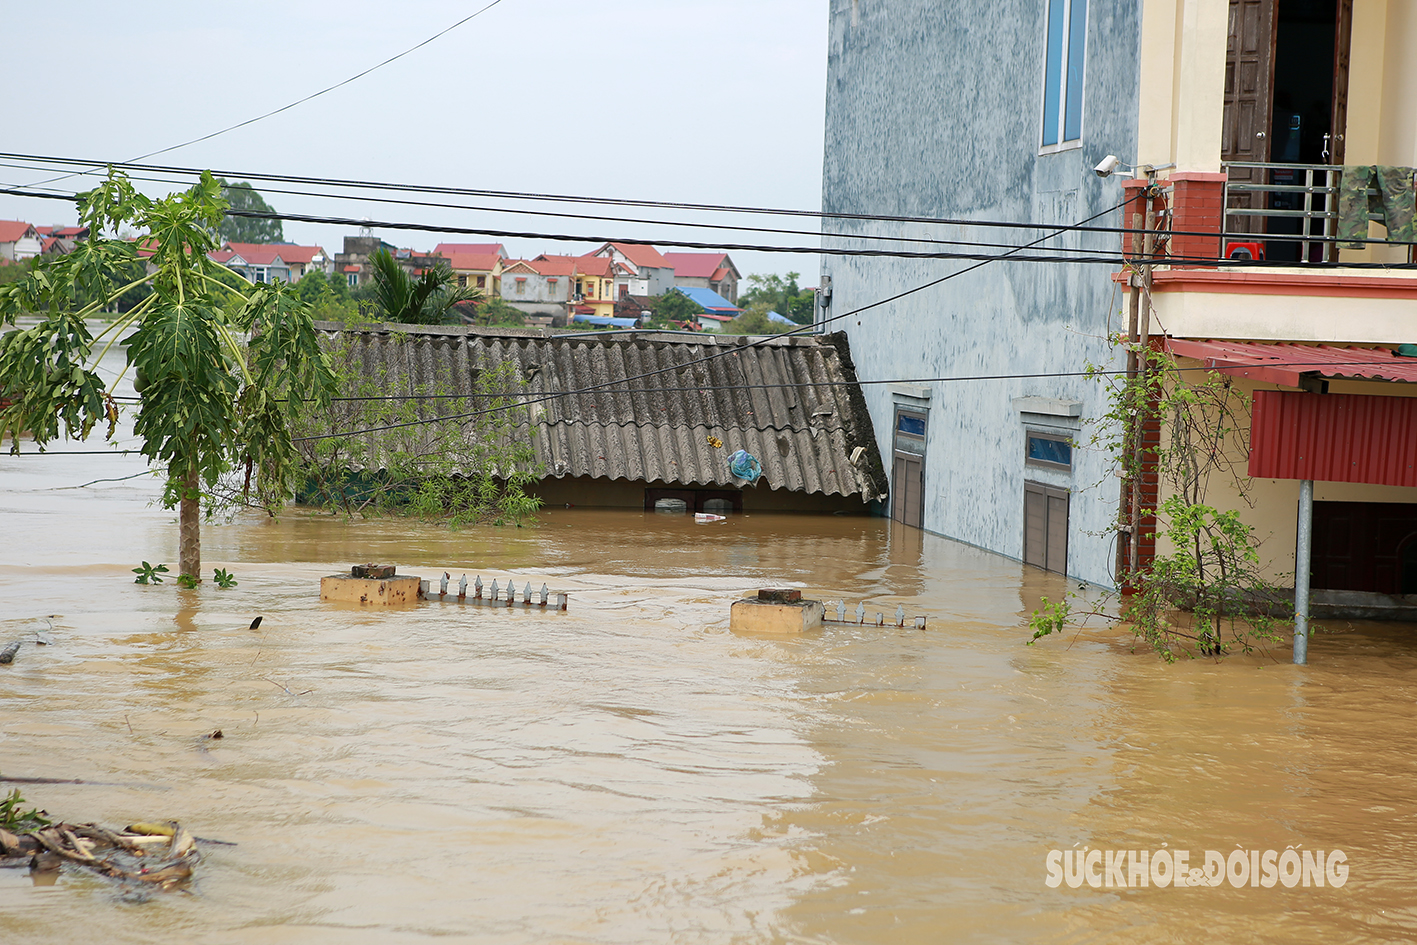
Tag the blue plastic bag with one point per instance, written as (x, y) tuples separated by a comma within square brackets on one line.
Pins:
[(745, 466)]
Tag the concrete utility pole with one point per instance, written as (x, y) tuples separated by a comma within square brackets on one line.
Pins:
[(1303, 556)]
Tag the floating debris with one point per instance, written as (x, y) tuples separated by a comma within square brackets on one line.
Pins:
[(160, 856)]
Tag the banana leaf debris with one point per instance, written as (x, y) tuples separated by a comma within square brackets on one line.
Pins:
[(155, 855)]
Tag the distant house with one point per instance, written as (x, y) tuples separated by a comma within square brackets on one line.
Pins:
[(470, 249), (59, 240), (19, 240), (645, 271), (633, 306), (661, 435), (266, 262), (593, 286), (353, 264), (714, 271), (541, 287), (717, 311), (475, 270)]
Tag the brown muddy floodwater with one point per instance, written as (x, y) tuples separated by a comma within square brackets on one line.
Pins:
[(631, 772)]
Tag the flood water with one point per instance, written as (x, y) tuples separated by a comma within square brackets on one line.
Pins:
[(630, 771)]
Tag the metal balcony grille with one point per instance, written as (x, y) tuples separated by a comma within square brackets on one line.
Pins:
[(1297, 203)]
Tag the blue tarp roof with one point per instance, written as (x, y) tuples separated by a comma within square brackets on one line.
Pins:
[(709, 300), (605, 320), (774, 317)]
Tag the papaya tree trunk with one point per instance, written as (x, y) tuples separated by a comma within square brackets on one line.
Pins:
[(189, 525)]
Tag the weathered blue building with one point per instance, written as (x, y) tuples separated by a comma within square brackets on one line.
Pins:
[(985, 111)]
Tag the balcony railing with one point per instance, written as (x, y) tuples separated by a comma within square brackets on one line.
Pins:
[(1286, 203), (1291, 207)]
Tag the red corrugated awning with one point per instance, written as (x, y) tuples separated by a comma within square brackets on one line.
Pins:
[(1284, 362), (1334, 438)]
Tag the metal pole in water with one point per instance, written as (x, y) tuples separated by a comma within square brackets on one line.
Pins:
[(1303, 555)]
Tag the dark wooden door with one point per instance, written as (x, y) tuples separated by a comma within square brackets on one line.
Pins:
[(1342, 40), (1249, 101), (1363, 546), (907, 490), (1045, 527)]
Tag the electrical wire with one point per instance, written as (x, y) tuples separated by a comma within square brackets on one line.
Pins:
[(797, 385), (729, 208), (302, 101), (584, 216), (1119, 258), (611, 201), (727, 351)]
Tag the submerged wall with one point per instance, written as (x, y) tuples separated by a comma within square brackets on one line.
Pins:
[(934, 110)]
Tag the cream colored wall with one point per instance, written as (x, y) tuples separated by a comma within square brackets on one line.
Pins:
[(1382, 97), (1272, 505), (1259, 317), (1183, 83), (1182, 93)]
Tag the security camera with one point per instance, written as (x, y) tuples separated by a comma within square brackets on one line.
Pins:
[(1108, 164)]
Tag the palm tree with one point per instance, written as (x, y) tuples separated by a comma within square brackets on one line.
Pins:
[(427, 300)]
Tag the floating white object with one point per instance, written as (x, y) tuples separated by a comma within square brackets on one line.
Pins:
[(709, 517)]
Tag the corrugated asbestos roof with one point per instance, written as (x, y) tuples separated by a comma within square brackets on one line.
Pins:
[(655, 428)]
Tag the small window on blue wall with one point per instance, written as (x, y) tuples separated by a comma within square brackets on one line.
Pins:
[(910, 424), (1050, 451), (1062, 79)]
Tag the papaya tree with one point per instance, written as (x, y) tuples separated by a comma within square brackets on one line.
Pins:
[(222, 365)]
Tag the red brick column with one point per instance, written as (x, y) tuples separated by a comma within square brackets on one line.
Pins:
[(1196, 207), (1145, 535), (1134, 208)]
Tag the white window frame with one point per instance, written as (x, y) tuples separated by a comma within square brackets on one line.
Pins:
[(1063, 144)]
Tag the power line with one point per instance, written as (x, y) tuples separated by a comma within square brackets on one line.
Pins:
[(302, 101), (1119, 258), (1110, 260), (610, 201), (581, 216), (727, 351), (700, 388)]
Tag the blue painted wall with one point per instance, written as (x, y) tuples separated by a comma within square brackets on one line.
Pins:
[(934, 108)]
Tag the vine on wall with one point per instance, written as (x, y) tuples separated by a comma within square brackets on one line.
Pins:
[(1208, 595)]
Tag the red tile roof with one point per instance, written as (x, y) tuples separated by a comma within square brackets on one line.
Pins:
[(263, 254), (602, 266), (13, 230), (580, 265), (553, 265), (642, 256), (696, 265), (475, 249), (473, 262)]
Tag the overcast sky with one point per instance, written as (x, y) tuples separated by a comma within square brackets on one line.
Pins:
[(715, 103)]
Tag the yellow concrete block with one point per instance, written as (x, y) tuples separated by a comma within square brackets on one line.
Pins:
[(759, 616), (380, 591)]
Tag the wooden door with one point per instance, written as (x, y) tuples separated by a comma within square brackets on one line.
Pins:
[(1057, 531), (1035, 525), (1342, 40), (1249, 105), (1362, 546), (907, 490), (1045, 527)]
